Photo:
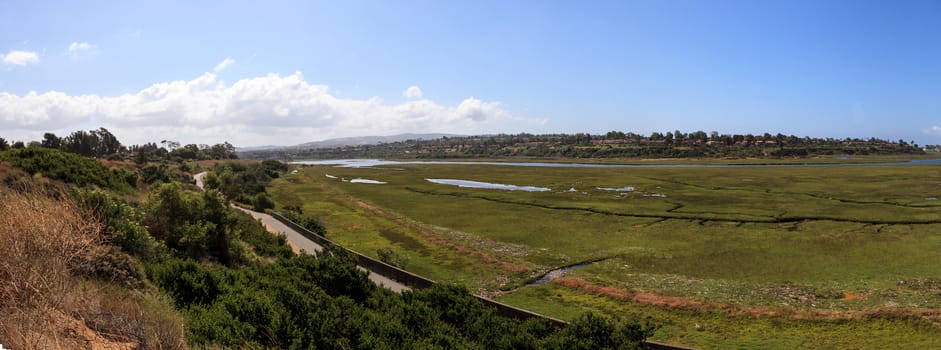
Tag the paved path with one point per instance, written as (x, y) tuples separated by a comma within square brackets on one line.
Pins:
[(298, 241), (276, 226)]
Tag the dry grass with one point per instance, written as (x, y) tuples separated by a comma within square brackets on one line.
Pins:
[(44, 305)]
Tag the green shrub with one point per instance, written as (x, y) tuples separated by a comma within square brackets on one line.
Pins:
[(262, 202), (392, 257), (66, 167), (121, 221)]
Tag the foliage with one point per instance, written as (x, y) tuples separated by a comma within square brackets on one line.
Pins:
[(297, 215), (326, 302), (245, 183), (153, 173), (69, 167), (201, 226), (392, 257), (95, 143), (102, 143), (197, 225), (121, 222), (261, 202), (263, 243)]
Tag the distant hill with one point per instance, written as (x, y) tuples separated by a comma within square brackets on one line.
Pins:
[(369, 140), (349, 141), (257, 148)]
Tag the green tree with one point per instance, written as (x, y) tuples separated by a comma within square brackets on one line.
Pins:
[(50, 140)]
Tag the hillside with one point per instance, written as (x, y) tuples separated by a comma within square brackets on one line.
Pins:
[(136, 256), (614, 144)]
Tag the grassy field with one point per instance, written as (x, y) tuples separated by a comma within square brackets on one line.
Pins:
[(721, 257)]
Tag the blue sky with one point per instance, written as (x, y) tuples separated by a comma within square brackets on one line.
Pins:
[(309, 70)]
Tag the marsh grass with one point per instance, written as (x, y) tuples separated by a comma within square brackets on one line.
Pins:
[(786, 238)]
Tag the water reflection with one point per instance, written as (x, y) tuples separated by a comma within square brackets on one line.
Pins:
[(487, 185)]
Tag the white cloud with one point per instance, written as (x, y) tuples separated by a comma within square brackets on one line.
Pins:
[(271, 109), (412, 92), (933, 130), (80, 49), (226, 63), (20, 58)]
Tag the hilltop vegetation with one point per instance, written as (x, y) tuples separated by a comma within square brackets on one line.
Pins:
[(614, 144), (70, 168), (102, 143)]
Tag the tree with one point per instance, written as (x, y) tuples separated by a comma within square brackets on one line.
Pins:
[(171, 145), (223, 150), (106, 143), (50, 140), (80, 142), (3, 144), (140, 156)]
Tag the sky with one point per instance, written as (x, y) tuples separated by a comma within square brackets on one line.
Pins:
[(286, 72)]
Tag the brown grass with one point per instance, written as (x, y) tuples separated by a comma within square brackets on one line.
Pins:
[(44, 305), (929, 316)]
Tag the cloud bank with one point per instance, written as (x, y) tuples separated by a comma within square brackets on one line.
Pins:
[(271, 109)]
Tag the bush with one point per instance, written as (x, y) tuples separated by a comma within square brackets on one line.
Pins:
[(120, 222), (391, 257), (111, 265), (305, 221), (261, 202), (67, 167)]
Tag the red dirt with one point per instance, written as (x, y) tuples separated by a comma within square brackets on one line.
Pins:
[(933, 316), (849, 296)]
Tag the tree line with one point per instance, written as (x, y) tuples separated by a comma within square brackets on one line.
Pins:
[(614, 144), (101, 143)]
